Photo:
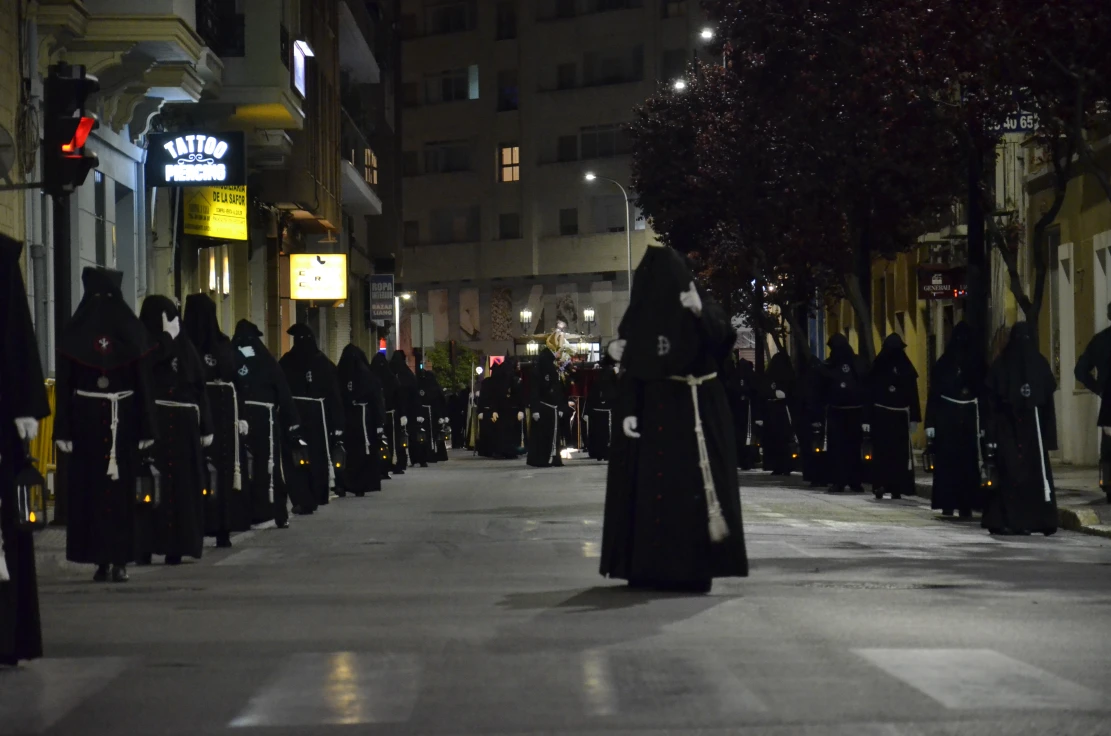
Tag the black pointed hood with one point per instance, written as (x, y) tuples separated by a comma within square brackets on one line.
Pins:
[(1021, 375), (201, 324), (959, 373), (104, 332), (400, 367), (661, 334)]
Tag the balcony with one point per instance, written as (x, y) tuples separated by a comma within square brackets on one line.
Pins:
[(356, 56), (258, 82), (358, 170)]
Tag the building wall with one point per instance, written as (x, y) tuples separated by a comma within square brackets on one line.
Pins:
[(489, 257), (11, 203)]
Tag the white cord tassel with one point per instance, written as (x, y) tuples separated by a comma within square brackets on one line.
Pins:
[(719, 530), (114, 401), (5, 576)]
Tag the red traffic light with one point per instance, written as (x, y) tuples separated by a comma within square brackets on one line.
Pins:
[(81, 132)]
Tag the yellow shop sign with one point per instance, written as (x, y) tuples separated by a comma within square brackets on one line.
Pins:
[(216, 212)]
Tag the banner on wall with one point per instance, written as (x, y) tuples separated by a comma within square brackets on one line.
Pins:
[(318, 276), (216, 212)]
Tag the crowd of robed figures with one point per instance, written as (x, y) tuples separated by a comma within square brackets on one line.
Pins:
[(845, 423), (171, 431)]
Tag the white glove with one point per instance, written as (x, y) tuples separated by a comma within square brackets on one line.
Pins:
[(816, 425), (145, 444), (27, 427), (339, 433), (171, 326), (691, 300), (571, 404), (913, 427), (443, 420), (248, 351), (866, 427), (302, 443), (65, 446), (759, 422), (420, 420), (404, 421), (243, 427), (616, 349), (381, 430), (629, 427), (536, 416), (494, 417), (930, 432), (562, 413), (206, 441), (520, 416), (481, 416), (780, 395)]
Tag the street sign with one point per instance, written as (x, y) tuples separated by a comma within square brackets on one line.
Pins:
[(381, 297), (1018, 122), (318, 276), (423, 330), (216, 212), (945, 284)]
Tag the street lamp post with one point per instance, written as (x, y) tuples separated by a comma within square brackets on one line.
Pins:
[(591, 176)]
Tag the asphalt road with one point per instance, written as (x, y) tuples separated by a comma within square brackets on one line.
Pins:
[(465, 599)]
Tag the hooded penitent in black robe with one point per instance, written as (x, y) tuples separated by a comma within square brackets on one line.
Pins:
[(738, 376), (388, 381), (485, 442), (811, 424), (229, 508), (1023, 427), (364, 413), (599, 411), (457, 418), (22, 394), (430, 411), (175, 526), (271, 416), (894, 406), (103, 375), (778, 430), (667, 488), (315, 387), (546, 404), (440, 407), (505, 400), (956, 414), (844, 396), (404, 425)]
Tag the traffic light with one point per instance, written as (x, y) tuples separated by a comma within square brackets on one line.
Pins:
[(66, 128)]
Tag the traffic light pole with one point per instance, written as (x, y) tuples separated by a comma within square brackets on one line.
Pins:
[(63, 308)]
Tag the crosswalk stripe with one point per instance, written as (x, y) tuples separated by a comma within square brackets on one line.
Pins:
[(976, 679), (38, 694)]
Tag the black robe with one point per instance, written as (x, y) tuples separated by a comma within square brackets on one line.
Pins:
[(811, 424), (430, 410), (657, 513), (486, 440), (844, 396), (229, 509), (739, 379), (443, 417), (778, 432), (894, 405), (547, 406), (312, 381), (175, 526), (957, 414), (503, 395), (1023, 426), (405, 426), (22, 394), (390, 437), (273, 424), (364, 414), (103, 374), (599, 414)]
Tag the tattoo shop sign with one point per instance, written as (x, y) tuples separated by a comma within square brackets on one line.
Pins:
[(194, 158)]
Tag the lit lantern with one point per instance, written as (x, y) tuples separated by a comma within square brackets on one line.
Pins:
[(1105, 475), (928, 457), (793, 448), (383, 448), (866, 447), (339, 456), (211, 480), (30, 496), (989, 472), (148, 485), (300, 454), (818, 437)]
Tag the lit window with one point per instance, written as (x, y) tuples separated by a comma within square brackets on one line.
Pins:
[(370, 167), (510, 163)]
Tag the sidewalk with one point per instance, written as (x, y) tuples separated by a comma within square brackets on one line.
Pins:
[(1081, 505)]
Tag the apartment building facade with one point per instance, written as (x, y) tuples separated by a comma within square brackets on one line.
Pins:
[(507, 105)]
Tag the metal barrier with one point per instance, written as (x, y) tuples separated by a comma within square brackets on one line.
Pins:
[(43, 448)]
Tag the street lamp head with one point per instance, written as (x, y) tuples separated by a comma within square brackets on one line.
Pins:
[(478, 370), (680, 85), (590, 176), (588, 315), (526, 315), (707, 34), (406, 296)]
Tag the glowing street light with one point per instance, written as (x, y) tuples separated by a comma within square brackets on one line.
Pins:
[(680, 85), (707, 34), (591, 176)]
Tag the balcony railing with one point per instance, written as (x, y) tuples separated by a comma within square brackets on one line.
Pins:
[(355, 148), (222, 29)]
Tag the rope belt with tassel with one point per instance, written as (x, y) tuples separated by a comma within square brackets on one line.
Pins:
[(715, 521), (270, 461), (114, 399), (237, 476)]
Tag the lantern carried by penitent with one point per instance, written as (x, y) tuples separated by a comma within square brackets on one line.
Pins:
[(30, 493)]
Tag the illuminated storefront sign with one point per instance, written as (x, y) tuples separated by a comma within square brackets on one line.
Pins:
[(321, 276), (216, 212), (181, 159)]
